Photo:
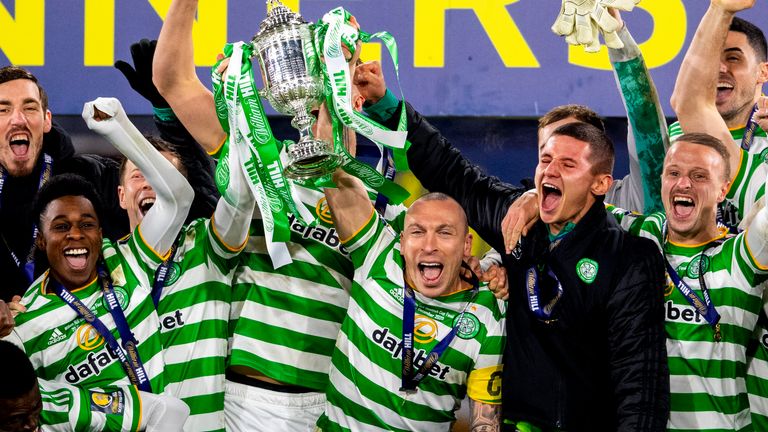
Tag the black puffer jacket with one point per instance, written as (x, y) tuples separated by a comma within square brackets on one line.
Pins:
[(601, 365)]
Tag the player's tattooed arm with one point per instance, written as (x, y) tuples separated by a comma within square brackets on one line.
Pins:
[(484, 417)]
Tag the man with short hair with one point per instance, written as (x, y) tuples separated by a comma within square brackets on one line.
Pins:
[(715, 289), (27, 160), (721, 95), (387, 374)]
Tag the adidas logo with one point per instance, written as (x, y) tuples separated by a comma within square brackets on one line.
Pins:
[(56, 337)]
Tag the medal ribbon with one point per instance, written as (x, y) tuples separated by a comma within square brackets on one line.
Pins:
[(534, 298), (127, 352), (161, 274), (410, 378), (388, 168), (704, 307), (749, 131), (28, 266)]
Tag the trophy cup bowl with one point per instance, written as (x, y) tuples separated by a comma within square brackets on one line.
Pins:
[(293, 85)]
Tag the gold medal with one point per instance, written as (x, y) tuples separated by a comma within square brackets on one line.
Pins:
[(718, 335)]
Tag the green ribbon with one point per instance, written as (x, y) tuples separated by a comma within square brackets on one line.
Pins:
[(330, 33), (242, 116)]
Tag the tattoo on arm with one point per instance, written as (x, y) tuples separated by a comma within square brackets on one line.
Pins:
[(485, 417)]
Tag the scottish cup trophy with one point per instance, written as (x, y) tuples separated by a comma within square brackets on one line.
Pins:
[(293, 85)]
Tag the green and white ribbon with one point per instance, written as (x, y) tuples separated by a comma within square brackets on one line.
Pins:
[(331, 32), (238, 103)]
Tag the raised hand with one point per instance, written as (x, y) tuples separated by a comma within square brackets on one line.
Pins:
[(521, 216), (139, 75), (369, 80)]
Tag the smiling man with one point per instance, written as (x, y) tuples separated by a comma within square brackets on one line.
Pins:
[(721, 96), (715, 288), (416, 337), (90, 320)]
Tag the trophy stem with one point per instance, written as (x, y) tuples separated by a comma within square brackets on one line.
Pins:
[(310, 157)]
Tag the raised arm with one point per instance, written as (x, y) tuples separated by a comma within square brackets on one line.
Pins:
[(164, 220), (175, 77), (350, 205), (695, 94), (441, 168), (647, 138), (234, 211)]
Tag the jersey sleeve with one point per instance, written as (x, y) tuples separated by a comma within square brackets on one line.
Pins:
[(370, 242), (484, 380), (744, 190), (757, 376), (67, 408), (647, 139), (631, 221)]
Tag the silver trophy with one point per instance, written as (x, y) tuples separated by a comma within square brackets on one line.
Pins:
[(293, 85)]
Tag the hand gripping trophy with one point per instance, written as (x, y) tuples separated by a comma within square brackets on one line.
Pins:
[(293, 85)]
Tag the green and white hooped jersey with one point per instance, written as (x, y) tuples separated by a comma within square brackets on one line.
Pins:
[(748, 185), (194, 323), (284, 322), (708, 391), (63, 347), (365, 376), (757, 379), (69, 408)]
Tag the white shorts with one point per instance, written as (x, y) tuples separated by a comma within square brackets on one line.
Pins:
[(248, 408)]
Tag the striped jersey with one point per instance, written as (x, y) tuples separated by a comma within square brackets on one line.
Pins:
[(757, 376), (365, 376), (707, 386), (759, 142), (284, 322), (69, 408), (743, 191), (748, 185), (194, 323), (63, 347)]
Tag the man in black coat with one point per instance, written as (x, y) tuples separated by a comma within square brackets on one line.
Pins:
[(585, 324)]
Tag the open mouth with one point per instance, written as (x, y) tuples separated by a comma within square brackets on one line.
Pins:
[(683, 206), (724, 89), (430, 272), (19, 143), (145, 205), (77, 258), (550, 196)]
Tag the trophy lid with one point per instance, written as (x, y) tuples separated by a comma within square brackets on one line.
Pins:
[(278, 15)]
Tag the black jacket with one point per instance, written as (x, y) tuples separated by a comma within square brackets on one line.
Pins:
[(602, 364)]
